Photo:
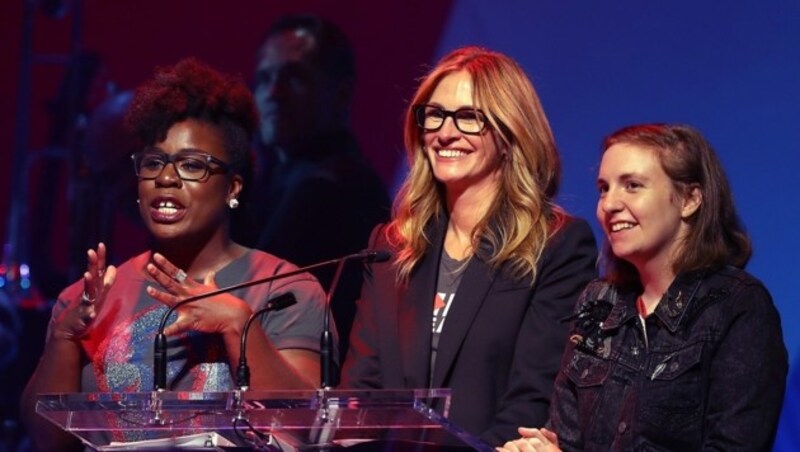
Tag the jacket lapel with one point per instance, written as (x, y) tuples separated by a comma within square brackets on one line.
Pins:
[(470, 295), (415, 312)]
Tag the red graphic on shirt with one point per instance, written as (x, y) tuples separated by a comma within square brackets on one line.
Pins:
[(441, 304), (438, 302)]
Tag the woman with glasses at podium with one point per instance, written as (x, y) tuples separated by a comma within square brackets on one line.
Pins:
[(196, 125), (486, 265)]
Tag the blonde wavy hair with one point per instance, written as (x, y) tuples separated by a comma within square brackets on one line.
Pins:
[(524, 216)]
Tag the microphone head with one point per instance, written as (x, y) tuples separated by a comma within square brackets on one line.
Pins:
[(374, 256), (281, 301)]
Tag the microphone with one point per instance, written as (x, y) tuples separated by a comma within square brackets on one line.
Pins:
[(160, 342), (370, 257), (328, 376), (276, 304)]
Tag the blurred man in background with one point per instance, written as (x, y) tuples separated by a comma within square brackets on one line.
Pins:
[(315, 196)]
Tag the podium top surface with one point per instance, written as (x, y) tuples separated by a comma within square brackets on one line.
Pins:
[(341, 415)]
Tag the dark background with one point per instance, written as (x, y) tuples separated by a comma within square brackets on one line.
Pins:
[(732, 69)]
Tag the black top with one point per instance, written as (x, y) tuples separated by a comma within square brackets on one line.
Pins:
[(501, 344)]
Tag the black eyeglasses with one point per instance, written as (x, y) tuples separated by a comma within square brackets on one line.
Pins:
[(189, 165), (468, 120)]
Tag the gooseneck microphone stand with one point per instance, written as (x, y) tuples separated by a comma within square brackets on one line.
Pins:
[(276, 304), (160, 342), (329, 373)]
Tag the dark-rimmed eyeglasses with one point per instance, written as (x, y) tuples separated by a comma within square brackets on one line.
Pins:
[(189, 165), (468, 120)]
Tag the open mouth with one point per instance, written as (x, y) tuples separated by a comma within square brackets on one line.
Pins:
[(451, 153), (621, 226), (166, 210)]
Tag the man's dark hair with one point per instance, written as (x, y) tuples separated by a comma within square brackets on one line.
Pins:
[(332, 51)]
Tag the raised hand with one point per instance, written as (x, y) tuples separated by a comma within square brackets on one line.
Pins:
[(533, 439), (75, 320), (220, 314)]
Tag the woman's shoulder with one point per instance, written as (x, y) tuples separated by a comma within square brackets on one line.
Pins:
[(600, 291), (737, 285), (259, 264), (566, 226), (600, 288), (572, 238), (255, 256), (723, 293), (380, 240), (734, 274)]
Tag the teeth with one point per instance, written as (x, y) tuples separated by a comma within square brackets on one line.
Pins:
[(450, 153), (620, 226), (167, 208)]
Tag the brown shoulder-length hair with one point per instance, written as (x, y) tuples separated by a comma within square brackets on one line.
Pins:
[(716, 236), (523, 215)]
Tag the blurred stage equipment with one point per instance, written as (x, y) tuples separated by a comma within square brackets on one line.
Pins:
[(26, 264)]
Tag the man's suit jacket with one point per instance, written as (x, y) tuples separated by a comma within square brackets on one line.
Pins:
[(502, 340)]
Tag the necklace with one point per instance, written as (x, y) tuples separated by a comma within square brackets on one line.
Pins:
[(453, 266)]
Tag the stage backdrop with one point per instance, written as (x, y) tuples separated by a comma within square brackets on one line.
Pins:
[(729, 68)]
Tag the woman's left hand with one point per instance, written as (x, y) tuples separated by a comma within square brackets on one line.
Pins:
[(222, 313), (533, 439)]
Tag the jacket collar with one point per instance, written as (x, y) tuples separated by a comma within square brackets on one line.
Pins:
[(470, 296), (671, 310), (674, 305), (415, 311)]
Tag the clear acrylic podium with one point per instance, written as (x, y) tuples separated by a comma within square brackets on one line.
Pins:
[(391, 420)]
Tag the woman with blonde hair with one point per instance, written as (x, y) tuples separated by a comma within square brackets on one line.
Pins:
[(486, 265)]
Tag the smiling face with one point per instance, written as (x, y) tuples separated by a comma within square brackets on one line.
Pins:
[(460, 161), (173, 208), (640, 210)]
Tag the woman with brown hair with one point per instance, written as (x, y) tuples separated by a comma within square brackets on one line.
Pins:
[(677, 348)]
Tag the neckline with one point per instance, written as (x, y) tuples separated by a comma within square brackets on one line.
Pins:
[(450, 258), (148, 258), (641, 308)]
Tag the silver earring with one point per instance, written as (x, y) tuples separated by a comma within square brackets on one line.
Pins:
[(138, 201), (233, 203)]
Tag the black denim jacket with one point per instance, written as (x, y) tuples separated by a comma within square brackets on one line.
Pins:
[(707, 372)]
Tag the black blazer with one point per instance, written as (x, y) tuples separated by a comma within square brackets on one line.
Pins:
[(502, 340)]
